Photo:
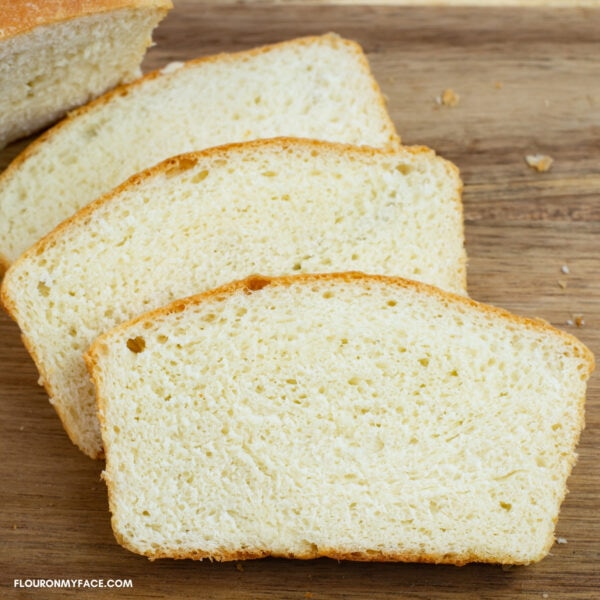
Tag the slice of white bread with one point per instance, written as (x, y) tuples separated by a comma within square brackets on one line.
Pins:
[(199, 220), (56, 55), (343, 415), (316, 87)]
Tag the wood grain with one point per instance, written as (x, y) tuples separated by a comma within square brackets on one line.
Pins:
[(528, 82)]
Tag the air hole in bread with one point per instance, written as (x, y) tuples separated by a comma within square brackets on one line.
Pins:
[(404, 168), (43, 289), (506, 505), (136, 344), (201, 176)]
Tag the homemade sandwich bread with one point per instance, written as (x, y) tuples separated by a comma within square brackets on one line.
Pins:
[(317, 87), (196, 221), (56, 55), (340, 415)]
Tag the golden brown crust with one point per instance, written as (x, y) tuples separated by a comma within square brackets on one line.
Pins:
[(21, 17)]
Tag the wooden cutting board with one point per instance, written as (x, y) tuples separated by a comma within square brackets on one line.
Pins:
[(528, 82)]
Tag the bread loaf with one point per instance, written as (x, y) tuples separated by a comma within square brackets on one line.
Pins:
[(57, 54), (317, 87), (198, 220), (355, 417)]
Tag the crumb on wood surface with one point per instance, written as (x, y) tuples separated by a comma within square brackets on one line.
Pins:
[(539, 162), (448, 98), (577, 320)]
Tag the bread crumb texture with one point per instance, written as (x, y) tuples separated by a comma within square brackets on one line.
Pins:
[(356, 417), (197, 221)]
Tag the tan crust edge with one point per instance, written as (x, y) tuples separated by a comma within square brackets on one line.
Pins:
[(4, 265), (22, 17), (458, 560), (255, 283)]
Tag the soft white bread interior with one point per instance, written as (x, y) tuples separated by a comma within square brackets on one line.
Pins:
[(318, 87), (199, 220), (348, 416), (56, 55)]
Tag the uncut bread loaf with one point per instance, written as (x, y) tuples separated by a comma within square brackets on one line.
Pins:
[(56, 55), (317, 87), (199, 220), (343, 415)]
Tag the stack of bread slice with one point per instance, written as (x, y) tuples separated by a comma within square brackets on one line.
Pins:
[(319, 87), (349, 401)]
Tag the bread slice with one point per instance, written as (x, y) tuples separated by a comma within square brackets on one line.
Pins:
[(199, 220), (343, 415), (317, 87), (56, 55)]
